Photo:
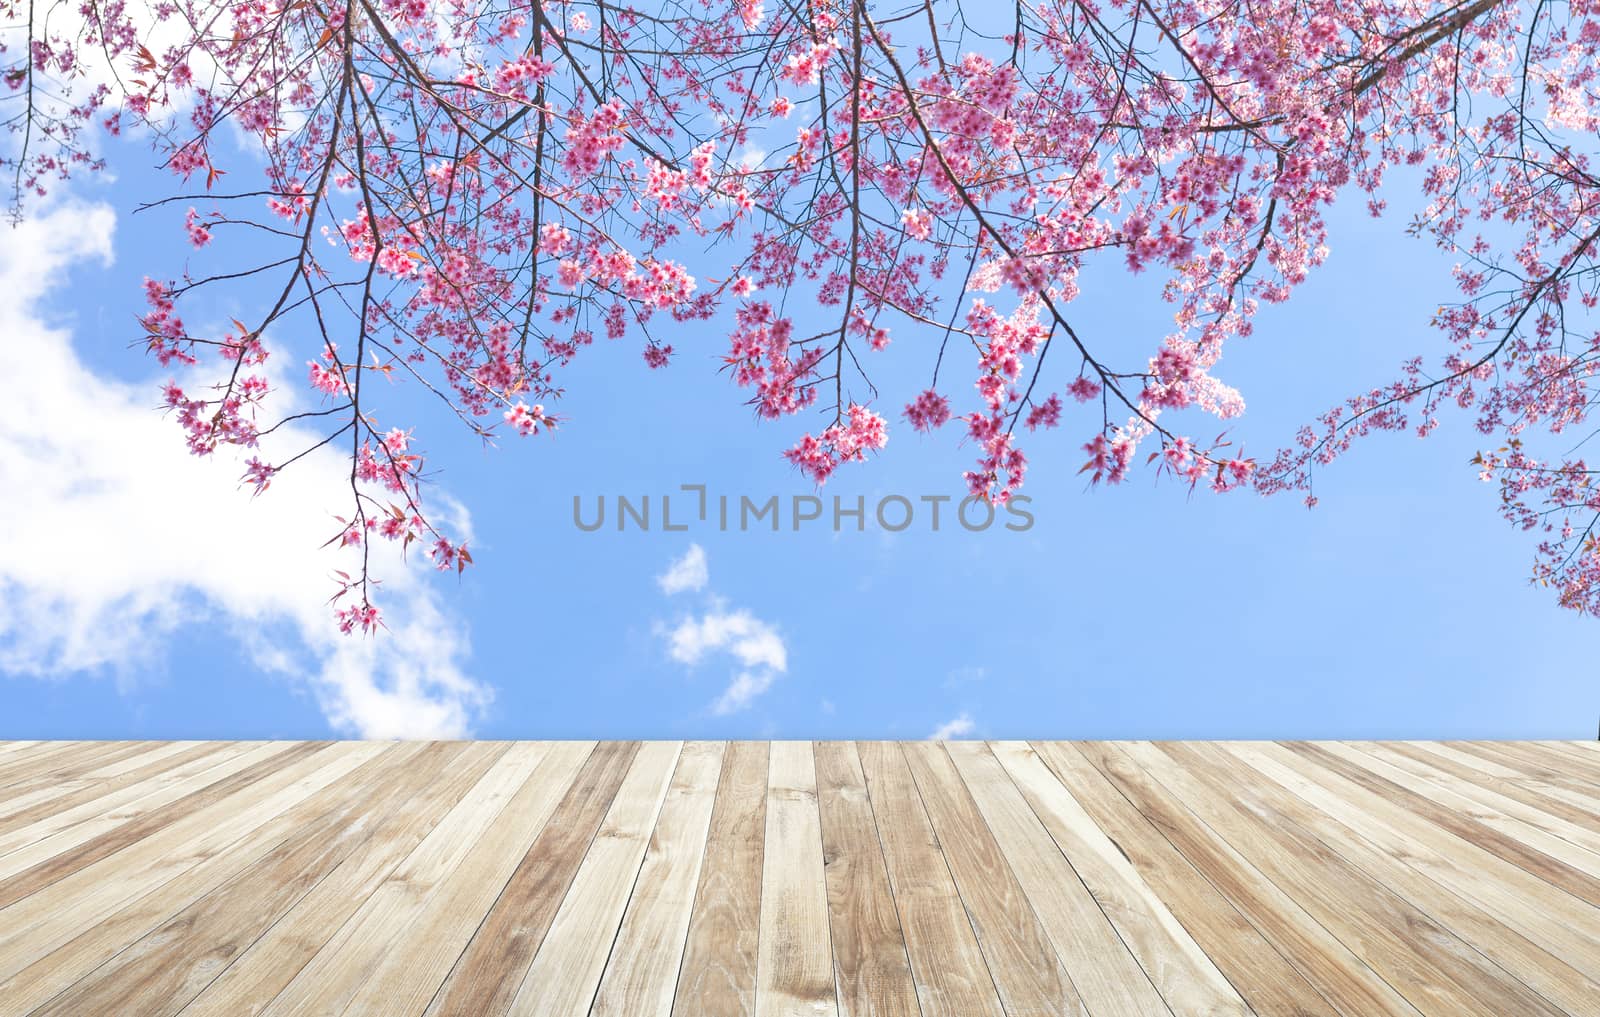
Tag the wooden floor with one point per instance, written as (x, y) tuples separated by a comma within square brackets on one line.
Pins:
[(699, 879)]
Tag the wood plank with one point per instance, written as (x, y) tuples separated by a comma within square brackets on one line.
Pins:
[(163, 970), (32, 791), (1570, 760), (98, 757), (49, 834), (1357, 879), (328, 984), (1166, 912), (54, 800), (1557, 873), (1529, 768), (1578, 768), (642, 973), (794, 965), (718, 978), (30, 869), (442, 774), (947, 966), (1577, 752), (1572, 844), (418, 960), (871, 968), (491, 969), (44, 761), (43, 921), (565, 972), (113, 931), (1026, 971), (1580, 809), (1525, 903), (1340, 975), (1105, 973), (1425, 961), (1501, 755), (85, 758), (1552, 978)]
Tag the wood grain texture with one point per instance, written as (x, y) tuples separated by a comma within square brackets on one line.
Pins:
[(490, 970), (1423, 960), (1561, 782), (1105, 973), (1569, 842), (1570, 762), (45, 759), (718, 975), (1338, 972), (115, 929), (1026, 971), (55, 799), (59, 844), (1583, 885), (871, 968), (565, 972), (951, 976), (1574, 807), (794, 957), (442, 773), (327, 985), (1539, 969), (162, 971), (1195, 946), (1520, 900), (32, 792), (49, 917), (792, 879), (416, 963), (641, 974)]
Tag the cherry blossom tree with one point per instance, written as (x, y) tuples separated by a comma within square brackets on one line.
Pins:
[(463, 195)]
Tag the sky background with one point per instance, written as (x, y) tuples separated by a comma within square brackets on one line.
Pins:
[(144, 595)]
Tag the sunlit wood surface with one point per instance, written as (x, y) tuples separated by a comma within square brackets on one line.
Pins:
[(754, 879)]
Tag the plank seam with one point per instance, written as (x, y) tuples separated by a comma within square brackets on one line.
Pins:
[(883, 856), (434, 999), (1063, 852), (938, 844), (1270, 882)]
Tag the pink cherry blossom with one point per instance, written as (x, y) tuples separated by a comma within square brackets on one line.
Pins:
[(462, 198), (928, 411), (527, 420)]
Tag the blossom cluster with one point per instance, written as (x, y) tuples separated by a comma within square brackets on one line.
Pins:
[(467, 199)]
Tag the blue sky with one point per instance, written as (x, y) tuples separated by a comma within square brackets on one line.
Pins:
[(1398, 608)]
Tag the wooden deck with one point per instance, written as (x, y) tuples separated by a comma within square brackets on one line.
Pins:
[(626, 879)]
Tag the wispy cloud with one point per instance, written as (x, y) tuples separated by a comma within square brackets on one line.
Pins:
[(720, 629), (117, 539), (745, 687), (955, 728), (740, 633), (688, 573)]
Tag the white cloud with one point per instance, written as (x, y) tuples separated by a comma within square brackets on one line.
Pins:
[(116, 538), (961, 725), (753, 643), (745, 686), (686, 573)]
